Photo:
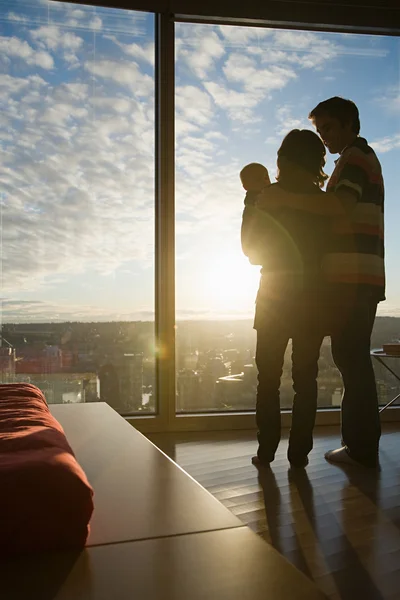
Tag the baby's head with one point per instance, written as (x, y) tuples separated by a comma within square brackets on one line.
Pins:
[(254, 177)]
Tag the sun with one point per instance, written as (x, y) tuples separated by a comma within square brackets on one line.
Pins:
[(230, 281)]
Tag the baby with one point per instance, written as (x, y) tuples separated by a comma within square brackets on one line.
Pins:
[(254, 178)]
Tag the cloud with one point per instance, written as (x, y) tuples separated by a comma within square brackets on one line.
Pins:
[(240, 68), (183, 128), (203, 314), (72, 91), (272, 139), (254, 86), (215, 135), (311, 60), (62, 113), (201, 183), (77, 13), (257, 62), (390, 99), (78, 167), (20, 311), (244, 70), (76, 176), (11, 85), (285, 121), (306, 50), (194, 158), (11, 16), (31, 311), (238, 105), (300, 40), (243, 36), (200, 144), (200, 48), (193, 105), (127, 74), (139, 51), (52, 37), (117, 105), (15, 48), (386, 144), (96, 23)]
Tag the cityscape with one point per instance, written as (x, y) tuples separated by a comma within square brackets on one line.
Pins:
[(114, 362)]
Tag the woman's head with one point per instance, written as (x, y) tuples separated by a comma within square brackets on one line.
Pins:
[(302, 154)]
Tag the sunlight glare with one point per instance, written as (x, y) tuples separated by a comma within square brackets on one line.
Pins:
[(230, 281)]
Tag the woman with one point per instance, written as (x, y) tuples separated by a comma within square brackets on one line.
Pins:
[(289, 245)]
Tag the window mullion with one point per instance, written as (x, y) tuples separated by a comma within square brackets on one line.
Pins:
[(165, 217)]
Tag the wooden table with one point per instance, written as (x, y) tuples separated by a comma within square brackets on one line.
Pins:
[(156, 534)]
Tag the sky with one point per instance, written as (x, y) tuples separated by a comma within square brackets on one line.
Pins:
[(77, 143)]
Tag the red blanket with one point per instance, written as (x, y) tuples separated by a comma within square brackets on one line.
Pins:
[(46, 500)]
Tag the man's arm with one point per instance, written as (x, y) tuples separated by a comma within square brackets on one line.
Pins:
[(328, 204), (349, 188)]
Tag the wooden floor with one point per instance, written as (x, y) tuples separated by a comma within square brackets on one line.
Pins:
[(339, 526)]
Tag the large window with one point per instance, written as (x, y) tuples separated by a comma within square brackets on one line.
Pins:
[(239, 90), (77, 202), (80, 225)]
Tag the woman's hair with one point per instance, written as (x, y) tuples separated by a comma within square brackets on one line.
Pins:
[(303, 148)]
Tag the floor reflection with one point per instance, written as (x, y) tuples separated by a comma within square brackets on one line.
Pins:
[(339, 525)]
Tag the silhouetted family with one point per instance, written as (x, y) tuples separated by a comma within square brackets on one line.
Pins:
[(322, 259)]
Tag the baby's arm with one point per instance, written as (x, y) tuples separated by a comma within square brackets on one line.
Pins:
[(266, 199)]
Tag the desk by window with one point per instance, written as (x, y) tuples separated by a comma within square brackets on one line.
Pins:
[(381, 356)]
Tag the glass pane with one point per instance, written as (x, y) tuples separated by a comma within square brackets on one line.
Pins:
[(77, 202), (239, 90)]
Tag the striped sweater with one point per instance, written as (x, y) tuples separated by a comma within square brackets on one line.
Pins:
[(357, 251)]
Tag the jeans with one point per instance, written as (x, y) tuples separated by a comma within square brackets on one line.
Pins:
[(351, 343), (280, 323)]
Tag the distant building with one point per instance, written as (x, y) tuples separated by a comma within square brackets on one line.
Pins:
[(109, 386), (229, 391), (39, 359), (188, 391), (130, 373), (7, 364), (238, 391), (337, 397), (382, 389), (190, 361), (121, 382)]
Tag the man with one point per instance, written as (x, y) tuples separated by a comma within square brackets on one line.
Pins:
[(353, 267)]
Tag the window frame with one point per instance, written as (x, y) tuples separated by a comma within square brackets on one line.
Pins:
[(165, 314), (374, 20)]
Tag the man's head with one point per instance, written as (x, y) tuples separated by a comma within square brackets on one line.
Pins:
[(337, 121), (254, 177)]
